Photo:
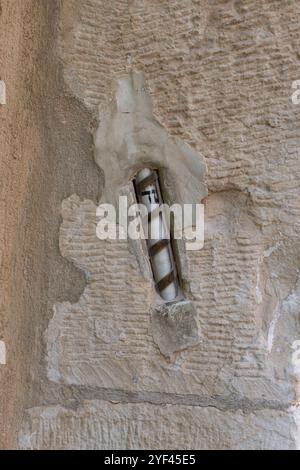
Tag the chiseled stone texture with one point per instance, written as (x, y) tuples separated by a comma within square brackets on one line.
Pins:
[(102, 425), (219, 75), (105, 339), (174, 327)]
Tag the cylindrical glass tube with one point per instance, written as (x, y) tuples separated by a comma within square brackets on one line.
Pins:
[(159, 246)]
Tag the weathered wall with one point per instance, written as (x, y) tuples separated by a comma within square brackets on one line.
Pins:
[(20, 145), (41, 128), (219, 75)]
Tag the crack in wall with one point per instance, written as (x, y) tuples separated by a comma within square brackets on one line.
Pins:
[(72, 396)]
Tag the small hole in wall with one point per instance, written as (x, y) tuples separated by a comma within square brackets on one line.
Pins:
[(157, 229)]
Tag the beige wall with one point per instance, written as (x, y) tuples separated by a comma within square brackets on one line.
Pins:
[(78, 320)]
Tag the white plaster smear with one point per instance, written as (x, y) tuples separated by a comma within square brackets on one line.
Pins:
[(2, 92), (2, 353)]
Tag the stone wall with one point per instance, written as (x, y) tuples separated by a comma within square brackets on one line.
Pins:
[(214, 107)]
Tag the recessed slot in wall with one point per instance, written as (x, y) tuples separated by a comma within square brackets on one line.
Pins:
[(157, 229)]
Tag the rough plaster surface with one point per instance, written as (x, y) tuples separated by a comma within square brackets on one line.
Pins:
[(219, 74), (175, 327), (102, 425), (129, 138), (106, 339), (41, 129), (21, 43)]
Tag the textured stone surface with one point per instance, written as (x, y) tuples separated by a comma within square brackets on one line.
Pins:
[(129, 138), (101, 425), (205, 66), (235, 353), (220, 79), (219, 75), (174, 327)]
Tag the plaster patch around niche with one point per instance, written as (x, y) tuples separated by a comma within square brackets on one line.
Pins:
[(106, 338), (175, 327), (129, 138)]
